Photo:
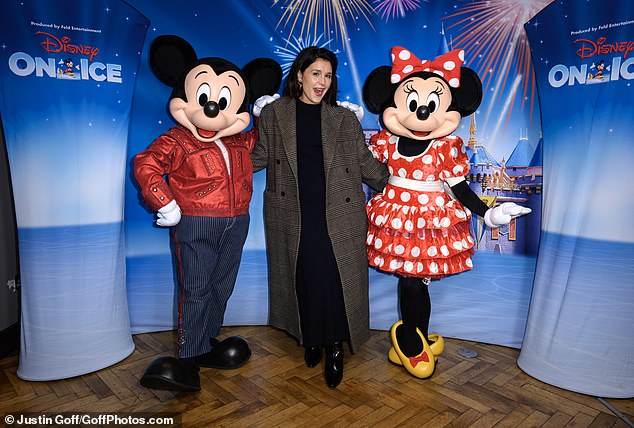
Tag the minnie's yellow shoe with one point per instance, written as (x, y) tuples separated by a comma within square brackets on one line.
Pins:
[(439, 344), (437, 347), (422, 365)]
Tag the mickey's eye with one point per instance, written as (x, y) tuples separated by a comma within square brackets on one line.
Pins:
[(433, 102), (202, 94), (412, 101), (224, 98)]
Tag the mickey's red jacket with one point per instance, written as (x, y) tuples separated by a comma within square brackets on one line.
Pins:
[(197, 173)]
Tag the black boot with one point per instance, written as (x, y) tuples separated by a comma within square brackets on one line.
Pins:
[(312, 355), (333, 370)]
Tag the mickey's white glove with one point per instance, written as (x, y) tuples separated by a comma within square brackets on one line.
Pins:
[(503, 214), (259, 104), (169, 215), (356, 109)]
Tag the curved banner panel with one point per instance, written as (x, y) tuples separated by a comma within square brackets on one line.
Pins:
[(67, 75), (581, 317)]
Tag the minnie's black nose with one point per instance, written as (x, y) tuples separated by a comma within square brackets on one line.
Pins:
[(422, 112), (211, 109)]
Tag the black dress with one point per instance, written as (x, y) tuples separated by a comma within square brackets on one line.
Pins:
[(319, 291)]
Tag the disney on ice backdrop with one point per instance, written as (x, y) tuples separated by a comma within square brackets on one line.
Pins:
[(93, 261), (68, 79)]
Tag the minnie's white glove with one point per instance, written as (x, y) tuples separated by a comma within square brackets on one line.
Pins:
[(356, 109), (259, 104), (503, 214), (169, 215)]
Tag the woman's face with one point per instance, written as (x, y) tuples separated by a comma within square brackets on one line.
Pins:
[(315, 80)]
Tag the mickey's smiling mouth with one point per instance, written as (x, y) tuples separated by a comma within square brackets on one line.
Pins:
[(205, 134)]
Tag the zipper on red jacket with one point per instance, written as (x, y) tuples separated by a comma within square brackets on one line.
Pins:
[(226, 155)]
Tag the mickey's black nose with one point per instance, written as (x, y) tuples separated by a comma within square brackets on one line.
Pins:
[(211, 109), (422, 112)]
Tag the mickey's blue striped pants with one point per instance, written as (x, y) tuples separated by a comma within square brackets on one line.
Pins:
[(208, 253)]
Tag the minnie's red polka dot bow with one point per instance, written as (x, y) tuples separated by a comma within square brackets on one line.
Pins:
[(447, 66)]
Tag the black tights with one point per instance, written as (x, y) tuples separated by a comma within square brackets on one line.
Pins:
[(415, 305)]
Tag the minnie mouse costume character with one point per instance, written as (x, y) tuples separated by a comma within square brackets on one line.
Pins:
[(205, 198), (416, 229)]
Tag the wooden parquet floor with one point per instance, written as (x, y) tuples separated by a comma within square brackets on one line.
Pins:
[(275, 388)]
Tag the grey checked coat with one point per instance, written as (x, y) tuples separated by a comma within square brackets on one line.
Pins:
[(347, 162)]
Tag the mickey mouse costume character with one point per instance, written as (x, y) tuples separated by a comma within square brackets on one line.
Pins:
[(416, 228), (205, 198)]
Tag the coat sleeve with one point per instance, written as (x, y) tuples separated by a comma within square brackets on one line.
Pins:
[(150, 166), (373, 172), (260, 153)]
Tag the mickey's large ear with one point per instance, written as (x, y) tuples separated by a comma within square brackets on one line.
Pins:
[(264, 77), (469, 95), (377, 89), (170, 57)]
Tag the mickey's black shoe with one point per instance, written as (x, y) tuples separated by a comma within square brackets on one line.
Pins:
[(230, 353), (171, 374)]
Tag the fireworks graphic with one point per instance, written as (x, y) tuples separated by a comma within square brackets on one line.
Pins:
[(332, 13), (492, 31), (293, 46), (395, 8)]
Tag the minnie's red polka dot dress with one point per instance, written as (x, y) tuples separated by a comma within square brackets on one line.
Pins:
[(415, 228)]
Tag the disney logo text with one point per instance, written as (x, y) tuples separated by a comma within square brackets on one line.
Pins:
[(55, 45), (591, 48)]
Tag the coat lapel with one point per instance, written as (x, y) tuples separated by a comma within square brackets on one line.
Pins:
[(330, 124), (287, 122)]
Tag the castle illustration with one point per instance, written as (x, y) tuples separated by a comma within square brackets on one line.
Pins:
[(519, 180)]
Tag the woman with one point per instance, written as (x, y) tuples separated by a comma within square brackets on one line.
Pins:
[(314, 212)]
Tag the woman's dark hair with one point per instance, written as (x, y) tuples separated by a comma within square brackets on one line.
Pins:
[(304, 59)]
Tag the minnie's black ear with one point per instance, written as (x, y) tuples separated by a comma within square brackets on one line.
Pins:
[(264, 77), (469, 95), (377, 89), (170, 57)]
